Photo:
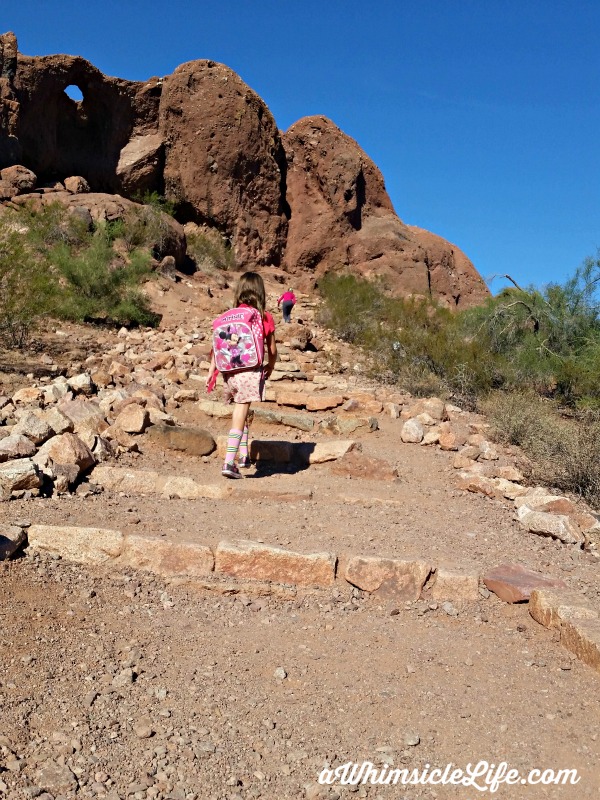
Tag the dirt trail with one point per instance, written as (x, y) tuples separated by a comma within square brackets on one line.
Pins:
[(124, 685)]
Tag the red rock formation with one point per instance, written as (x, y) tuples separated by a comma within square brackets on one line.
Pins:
[(342, 217), (224, 158), (203, 138)]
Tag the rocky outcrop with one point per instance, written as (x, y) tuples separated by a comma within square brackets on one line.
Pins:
[(309, 201), (224, 159), (342, 217)]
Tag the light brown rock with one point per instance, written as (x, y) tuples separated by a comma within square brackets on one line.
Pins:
[(256, 561), (582, 637), (11, 539), (355, 464), (550, 607), (133, 419), (20, 473), (321, 452), (320, 402), (83, 545), (455, 584), (67, 449), (557, 526), (193, 440), (393, 579), (28, 396), (34, 428), (167, 558), (16, 446), (412, 431)]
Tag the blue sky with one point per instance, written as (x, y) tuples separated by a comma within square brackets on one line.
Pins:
[(483, 115)]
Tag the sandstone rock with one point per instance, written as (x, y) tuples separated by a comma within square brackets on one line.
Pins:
[(140, 163), (558, 526), (225, 158), (11, 539), (21, 473), (510, 474), (214, 409), (550, 607), (514, 583), (34, 428), (357, 465), (287, 398), (83, 545), (81, 384), (509, 489), (393, 410), (67, 449), (582, 637), (256, 561), (18, 179), (345, 426), (303, 422), (57, 421), (133, 419), (393, 579), (477, 484), (450, 439), (167, 558), (188, 439), (412, 431), (28, 396), (188, 489), (55, 778), (16, 446), (455, 584), (129, 481), (323, 402), (84, 414), (432, 436), (321, 452), (488, 451), (76, 184), (341, 214)]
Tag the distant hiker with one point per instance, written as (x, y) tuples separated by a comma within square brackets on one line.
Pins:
[(287, 301), (240, 337)]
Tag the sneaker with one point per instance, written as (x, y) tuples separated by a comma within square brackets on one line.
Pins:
[(244, 463), (231, 471)]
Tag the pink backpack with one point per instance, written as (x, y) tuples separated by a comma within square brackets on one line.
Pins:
[(238, 339)]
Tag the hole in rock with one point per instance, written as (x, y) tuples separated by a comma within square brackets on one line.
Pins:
[(74, 92)]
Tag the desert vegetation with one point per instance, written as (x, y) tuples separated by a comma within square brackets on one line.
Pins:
[(529, 358), (53, 263)]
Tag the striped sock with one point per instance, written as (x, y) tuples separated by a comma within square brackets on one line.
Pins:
[(244, 443), (233, 442)]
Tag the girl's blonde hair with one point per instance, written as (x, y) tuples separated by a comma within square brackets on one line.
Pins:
[(250, 290)]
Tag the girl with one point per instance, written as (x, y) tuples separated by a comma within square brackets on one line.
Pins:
[(246, 386)]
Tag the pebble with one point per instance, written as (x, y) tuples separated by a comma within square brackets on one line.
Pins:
[(280, 674), (411, 739)]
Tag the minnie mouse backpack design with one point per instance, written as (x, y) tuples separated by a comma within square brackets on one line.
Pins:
[(238, 339)]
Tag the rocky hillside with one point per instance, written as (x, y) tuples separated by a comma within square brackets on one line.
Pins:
[(307, 201)]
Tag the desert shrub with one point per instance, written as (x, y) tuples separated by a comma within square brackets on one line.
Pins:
[(156, 201), (409, 341), (94, 286), (51, 264), (27, 287), (210, 251), (564, 451)]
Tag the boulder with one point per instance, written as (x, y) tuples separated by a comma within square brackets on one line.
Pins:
[(188, 439), (11, 539), (76, 184), (67, 449), (412, 431), (225, 158), (19, 474), (355, 464), (557, 526), (34, 428), (133, 419), (17, 179), (16, 446)]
